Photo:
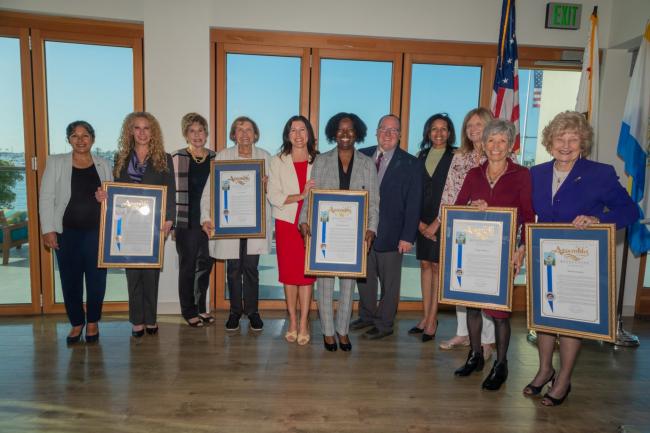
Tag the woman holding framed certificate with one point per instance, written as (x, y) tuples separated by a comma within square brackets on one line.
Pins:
[(242, 255), (436, 154), (469, 155), (141, 159), (498, 182), (192, 170), (572, 189), (70, 214), (289, 185), (342, 168)]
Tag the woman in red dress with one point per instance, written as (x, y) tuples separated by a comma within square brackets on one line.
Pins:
[(287, 188)]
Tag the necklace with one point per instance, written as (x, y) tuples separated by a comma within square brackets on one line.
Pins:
[(559, 176), (197, 159), (493, 180)]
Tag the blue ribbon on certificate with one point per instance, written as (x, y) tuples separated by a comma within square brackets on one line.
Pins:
[(549, 262), (459, 263), (118, 236), (324, 237), (225, 186)]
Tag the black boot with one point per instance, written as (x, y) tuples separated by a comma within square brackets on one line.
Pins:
[(497, 376), (474, 363)]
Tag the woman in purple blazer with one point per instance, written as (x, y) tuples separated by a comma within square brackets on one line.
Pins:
[(572, 189)]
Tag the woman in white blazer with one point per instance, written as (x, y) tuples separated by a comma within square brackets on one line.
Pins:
[(69, 214), (241, 255), (289, 185)]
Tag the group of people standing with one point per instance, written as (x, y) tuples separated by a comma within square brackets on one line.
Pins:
[(405, 194)]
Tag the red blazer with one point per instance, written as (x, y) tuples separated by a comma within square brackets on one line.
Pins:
[(513, 189)]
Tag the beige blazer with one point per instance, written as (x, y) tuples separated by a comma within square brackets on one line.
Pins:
[(229, 248), (283, 182)]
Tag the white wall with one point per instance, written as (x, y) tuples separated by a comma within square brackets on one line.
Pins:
[(177, 44)]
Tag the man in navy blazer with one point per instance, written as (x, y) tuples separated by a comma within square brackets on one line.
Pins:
[(400, 199)]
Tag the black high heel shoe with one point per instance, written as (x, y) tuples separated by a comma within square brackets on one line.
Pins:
[(75, 338), (152, 331), (92, 338), (346, 347), (530, 389), (416, 330), (137, 334), (428, 337), (330, 347), (475, 362), (555, 401), (497, 376)]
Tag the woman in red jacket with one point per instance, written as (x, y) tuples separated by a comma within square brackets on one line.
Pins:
[(497, 182)]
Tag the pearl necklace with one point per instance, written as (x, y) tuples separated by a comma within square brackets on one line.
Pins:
[(197, 159)]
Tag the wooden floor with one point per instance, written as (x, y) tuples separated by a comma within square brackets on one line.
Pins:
[(204, 380)]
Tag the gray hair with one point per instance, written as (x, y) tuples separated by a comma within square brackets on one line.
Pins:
[(386, 116), (500, 126)]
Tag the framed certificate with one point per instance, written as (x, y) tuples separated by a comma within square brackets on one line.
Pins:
[(476, 248), (571, 288), (132, 217), (338, 221), (237, 199)]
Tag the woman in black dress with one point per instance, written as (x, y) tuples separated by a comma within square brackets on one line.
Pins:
[(436, 153)]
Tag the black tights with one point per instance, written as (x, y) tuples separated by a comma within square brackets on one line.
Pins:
[(501, 333)]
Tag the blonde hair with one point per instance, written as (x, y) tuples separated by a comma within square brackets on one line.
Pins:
[(191, 118), (466, 145), (569, 121), (126, 143)]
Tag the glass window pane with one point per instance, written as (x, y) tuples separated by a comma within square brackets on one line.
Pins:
[(542, 95), (92, 83), (14, 269), (354, 86), (270, 98), (441, 88), (436, 88), (266, 89)]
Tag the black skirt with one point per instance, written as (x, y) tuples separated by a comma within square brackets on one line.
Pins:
[(426, 249)]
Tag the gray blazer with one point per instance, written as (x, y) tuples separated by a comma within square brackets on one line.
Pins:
[(325, 173), (55, 189)]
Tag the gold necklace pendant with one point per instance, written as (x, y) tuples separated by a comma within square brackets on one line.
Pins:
[(197, 159)]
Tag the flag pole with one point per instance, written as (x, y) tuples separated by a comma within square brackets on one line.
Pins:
[(623, 338)]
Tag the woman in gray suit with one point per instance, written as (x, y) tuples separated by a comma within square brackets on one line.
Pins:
[(347, 169)]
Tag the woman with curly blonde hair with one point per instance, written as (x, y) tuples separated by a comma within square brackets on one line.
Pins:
[(142, 159)]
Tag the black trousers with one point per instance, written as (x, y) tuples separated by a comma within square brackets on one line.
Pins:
[(195, 265), (77, 258), (142, 285), (243, 279), (384, 268)]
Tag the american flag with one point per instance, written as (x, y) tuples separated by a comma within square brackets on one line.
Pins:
[(537, 88), (505, 93)]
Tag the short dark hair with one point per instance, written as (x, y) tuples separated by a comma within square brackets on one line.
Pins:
[(426, 131), (360, 128), (311, 139), (69, 130)]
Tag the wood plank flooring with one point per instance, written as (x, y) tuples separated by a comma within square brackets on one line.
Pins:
[(205, 380)]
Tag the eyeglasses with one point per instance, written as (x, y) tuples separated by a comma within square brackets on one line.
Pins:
[(391, 131)]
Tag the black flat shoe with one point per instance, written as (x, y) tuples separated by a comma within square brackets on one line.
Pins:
[(137, 334), (346, 347), (415, 330), (531, 389), (92, 338), (76, 338), (497, 376), (428, 337), (330, 347), (555, 401), (475, 362), (152, 331)]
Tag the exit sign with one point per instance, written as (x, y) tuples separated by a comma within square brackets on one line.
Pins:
[(563, 16)]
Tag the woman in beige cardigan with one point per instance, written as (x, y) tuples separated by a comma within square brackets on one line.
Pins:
[(288, 187), (241, 255)]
